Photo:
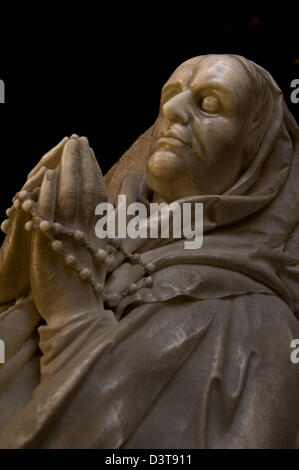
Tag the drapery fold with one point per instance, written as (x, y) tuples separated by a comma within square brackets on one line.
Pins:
[(201, 359)]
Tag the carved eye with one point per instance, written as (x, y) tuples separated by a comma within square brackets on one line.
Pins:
[(210, 104)]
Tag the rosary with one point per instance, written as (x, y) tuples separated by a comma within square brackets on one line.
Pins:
[(24, 200)]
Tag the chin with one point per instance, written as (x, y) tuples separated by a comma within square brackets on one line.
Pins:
[(165, 165)]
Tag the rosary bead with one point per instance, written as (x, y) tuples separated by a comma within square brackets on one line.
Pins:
[(148, 281), (150, 268), (78, 235), (56, 245), (44, 226), (23, 195), (98, 288), (134, 259), (70, 260), (27, 205), (9, 211), (16, 203), (101, 255), (113, 300), (132, 288), (5, 225), (110, 262), (28, 226), (85, 274), (57, 228)]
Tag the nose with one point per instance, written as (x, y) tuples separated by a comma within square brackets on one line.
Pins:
[(176, 109)]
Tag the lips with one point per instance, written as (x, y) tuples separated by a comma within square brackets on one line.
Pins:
[(172, 136), (175, 132)]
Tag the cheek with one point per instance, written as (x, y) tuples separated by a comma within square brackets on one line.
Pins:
[(218, 137)]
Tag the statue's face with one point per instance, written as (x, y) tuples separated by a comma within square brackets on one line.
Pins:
[(200, 137)]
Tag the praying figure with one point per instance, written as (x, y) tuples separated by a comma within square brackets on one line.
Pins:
[(139, 342)]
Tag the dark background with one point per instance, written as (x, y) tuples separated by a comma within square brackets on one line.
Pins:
[(99, 73)]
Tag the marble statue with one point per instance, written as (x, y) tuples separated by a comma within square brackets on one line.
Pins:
[(140, 343)]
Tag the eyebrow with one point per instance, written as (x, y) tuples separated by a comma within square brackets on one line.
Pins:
[(171, 87), (211, 85)]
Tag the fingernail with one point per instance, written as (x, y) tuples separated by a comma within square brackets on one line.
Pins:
[(84, 139), (72, 143)]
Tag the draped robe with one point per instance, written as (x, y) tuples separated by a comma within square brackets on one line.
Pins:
[(199, 360)]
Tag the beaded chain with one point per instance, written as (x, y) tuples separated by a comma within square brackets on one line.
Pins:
[(24, 200)]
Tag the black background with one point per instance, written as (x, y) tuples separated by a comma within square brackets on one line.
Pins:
[(98, 71)]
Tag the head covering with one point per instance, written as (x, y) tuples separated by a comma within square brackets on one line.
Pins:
[(256, 219)]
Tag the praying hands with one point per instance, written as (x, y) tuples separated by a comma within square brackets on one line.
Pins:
[(59, 246)]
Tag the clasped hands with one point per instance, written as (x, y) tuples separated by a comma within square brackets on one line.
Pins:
[(70, 186)]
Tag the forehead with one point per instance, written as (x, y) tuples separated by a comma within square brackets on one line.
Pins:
[(212, 70)]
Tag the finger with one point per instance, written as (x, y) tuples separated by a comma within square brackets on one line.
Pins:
[(47, 197), (68, 181), (35, 180), (86, 200), (51, 158), (101, 189)]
